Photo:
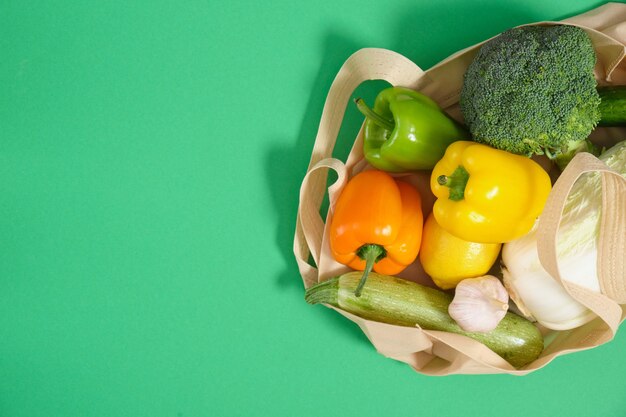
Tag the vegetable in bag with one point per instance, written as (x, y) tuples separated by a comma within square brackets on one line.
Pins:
[(534, 291)]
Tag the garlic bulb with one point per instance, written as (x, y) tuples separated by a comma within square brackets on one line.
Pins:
[(479, 304)]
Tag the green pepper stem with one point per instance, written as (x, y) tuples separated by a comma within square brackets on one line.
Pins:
[(456, 182), (370, 254), (373, 116)]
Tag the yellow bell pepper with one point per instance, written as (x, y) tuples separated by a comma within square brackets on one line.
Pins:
[(487, 195)]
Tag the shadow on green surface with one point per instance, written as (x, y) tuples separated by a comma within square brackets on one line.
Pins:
[(426, 34), (286, 167), (429, 33)]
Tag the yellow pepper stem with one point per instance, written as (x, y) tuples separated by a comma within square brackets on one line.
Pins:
[(456, 182), (371, 254)]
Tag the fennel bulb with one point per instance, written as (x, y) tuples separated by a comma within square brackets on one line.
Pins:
[(535, 292)]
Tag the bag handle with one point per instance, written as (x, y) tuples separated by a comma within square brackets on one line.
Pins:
[(611, 242), (365, 64), (310, 223)]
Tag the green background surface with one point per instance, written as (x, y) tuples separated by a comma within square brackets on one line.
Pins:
[(151, 156)]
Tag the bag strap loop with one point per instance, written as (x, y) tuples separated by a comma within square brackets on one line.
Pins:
[(611, 240)]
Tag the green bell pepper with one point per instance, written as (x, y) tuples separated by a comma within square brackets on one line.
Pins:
[(407, 130)]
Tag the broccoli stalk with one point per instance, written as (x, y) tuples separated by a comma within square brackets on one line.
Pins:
[(532, 90), (574, 147)]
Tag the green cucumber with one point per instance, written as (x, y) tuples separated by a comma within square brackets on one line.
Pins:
[(612, 105), (397, 301)]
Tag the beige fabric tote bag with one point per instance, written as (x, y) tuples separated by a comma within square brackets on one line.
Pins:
[(442, 353)]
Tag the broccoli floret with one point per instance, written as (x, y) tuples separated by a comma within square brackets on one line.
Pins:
[(532, 90)]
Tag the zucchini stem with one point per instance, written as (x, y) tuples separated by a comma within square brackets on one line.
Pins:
[(323, 293)]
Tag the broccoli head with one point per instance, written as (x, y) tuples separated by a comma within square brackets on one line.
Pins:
[(532, 90)]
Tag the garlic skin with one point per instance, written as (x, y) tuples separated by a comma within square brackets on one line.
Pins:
[(479, 304)]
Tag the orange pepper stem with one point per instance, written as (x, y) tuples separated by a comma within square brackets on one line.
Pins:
[(371, 254), (456, 182)]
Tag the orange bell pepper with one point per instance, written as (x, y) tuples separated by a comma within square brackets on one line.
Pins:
[(376, 224)]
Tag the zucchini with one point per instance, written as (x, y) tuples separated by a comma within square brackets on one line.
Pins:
[(612, 105), (397, 301)]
